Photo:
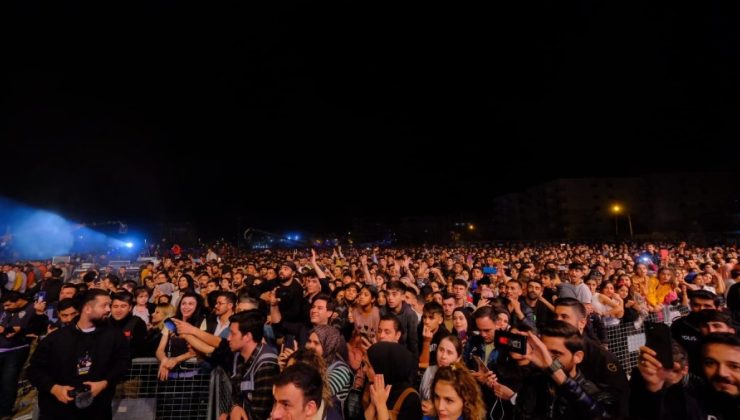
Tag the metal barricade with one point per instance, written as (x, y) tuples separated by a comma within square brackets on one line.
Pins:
[(625, 339), (187, 394)]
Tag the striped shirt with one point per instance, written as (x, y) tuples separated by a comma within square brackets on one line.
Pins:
[(340, 380)]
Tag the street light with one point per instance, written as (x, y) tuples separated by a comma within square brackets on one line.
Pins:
[(617, 210)]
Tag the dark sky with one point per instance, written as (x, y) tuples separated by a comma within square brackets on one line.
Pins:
[(310, 113)]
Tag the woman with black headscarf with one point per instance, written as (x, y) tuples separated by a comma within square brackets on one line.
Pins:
[(390, 371)]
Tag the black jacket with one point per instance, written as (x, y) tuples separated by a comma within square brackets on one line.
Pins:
[(134, 330), (685, 331), (291, 301), (52, 287), (55, 362), (680, 402), (576, 399), (733, 302), (603, 369)]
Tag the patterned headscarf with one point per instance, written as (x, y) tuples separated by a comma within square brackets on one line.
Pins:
[(332, 343)]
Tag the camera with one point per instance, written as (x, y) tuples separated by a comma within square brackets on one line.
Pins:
[(73, 393), (511, 342), (82, 395)]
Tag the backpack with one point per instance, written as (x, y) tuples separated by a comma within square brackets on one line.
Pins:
[(396, 410)]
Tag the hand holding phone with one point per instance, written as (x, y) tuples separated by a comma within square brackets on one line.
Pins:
[(658, 338), (170, 325), (290, 341), (482, 368)]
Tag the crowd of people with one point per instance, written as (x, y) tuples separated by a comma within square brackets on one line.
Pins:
[(507, 332)]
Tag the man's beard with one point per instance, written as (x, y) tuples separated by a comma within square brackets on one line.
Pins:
[(99, 322), (716, 379)]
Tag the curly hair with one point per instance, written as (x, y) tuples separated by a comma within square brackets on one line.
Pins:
[(465, 386)]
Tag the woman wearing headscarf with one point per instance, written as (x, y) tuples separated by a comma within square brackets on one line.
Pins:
[(390, 369), (328, 343)]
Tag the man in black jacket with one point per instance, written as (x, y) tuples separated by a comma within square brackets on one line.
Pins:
[(686, 331), (560, 390), (599, 365), (288, 297), (88, 353), (51, 285), (132, 327)]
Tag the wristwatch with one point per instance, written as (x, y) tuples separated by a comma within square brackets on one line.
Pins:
[(555, 366)]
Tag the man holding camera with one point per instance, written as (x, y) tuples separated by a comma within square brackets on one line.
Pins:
[(75, 369)]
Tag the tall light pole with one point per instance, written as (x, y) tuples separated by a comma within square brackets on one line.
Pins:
[(617, 209)]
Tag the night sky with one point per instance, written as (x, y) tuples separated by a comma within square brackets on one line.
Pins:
[(334, 110)]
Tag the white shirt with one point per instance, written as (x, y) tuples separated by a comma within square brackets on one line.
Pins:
[(709, 289)]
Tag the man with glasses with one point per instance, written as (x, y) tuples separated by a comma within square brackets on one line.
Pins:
[(218, 322)]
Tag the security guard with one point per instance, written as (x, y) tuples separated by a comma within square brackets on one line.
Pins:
[(599, 365)]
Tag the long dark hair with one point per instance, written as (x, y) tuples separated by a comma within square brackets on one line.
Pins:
[(197, 318), (191, 282)]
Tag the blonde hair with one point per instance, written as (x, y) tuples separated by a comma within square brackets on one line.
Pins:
[(168, 311)]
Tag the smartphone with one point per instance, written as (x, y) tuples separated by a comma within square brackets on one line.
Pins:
[(663, 254), (658, 338), (511, 342), (289, 341), (170, 325), (41, 296), (490, 270), (481, 366)]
